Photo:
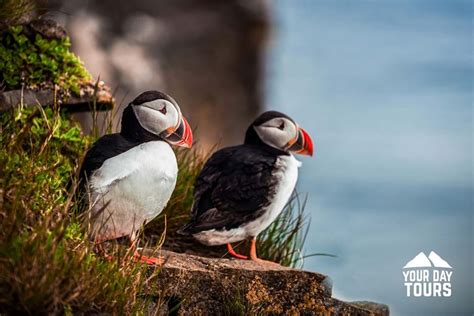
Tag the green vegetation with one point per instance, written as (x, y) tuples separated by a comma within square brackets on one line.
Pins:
[(46, 263), (36, 62)]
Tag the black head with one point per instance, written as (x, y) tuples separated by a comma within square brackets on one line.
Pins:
[(279, 133), (154, 115)]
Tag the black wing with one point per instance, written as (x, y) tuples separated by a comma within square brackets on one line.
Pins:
[(106, 147), (234, 186)]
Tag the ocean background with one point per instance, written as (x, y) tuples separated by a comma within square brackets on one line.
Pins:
[(385, 90)]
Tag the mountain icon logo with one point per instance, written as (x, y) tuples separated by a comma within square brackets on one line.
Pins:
[(427, 276), (423, 261)]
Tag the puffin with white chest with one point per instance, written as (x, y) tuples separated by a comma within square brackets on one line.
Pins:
[(131, 175), (241, 190)]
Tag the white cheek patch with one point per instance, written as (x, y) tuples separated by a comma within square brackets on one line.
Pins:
[(173, 116), (271, 134), (291, 129), (151, 118)]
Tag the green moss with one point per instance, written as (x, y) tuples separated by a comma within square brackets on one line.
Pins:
[(34, 61)]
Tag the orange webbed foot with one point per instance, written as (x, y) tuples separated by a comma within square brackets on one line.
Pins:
[(234, 254)]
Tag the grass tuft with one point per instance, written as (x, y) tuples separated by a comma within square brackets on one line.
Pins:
[(284, 239), (47, 265)]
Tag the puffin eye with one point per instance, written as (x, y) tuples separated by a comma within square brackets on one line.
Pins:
[(282, 125), (163, 110)]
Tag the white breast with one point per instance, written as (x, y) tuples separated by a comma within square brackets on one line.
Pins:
[(286, 172), (133, 187)]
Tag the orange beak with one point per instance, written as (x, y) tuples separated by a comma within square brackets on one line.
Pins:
[(303, 144), (182, 136)]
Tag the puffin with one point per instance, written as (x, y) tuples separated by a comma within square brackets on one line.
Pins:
[(242, 189), (129, 176)]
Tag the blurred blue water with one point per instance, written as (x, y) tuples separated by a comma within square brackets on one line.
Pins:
[(385, 89)]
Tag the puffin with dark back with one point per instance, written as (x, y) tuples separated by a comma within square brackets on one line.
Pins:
[(241, 190), (131, 175)]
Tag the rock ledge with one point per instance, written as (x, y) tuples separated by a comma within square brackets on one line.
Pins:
[(89, 94), (210, 286)]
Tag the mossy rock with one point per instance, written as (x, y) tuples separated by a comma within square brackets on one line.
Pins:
[(37, 66)]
